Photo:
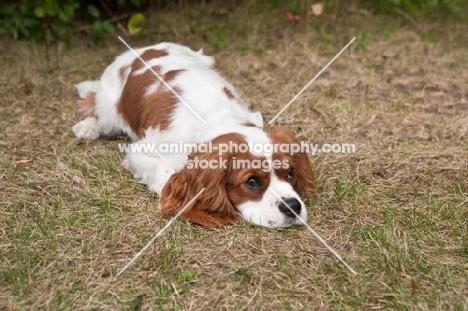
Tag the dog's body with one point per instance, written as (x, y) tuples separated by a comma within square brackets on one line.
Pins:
[(129, 98)]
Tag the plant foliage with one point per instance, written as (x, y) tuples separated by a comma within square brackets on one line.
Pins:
[(51, 20)]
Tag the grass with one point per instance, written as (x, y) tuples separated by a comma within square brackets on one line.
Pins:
[(396, 210)]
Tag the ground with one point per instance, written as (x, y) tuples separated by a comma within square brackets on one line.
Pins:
[(396, 209)]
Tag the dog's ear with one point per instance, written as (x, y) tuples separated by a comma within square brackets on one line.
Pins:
[(304, 184), (305, 177), (212, 207)]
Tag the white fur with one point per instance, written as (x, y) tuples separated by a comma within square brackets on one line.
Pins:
[(85, 87), (201, 88)]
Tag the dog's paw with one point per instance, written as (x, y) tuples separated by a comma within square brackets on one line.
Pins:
[(86, 129)]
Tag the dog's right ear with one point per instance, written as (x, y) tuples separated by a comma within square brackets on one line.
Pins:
[(211, 208)]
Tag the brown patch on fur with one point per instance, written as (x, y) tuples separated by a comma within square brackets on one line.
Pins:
[(143, 111), (225, 187), (171, 74), (146, 56), (87, 105), (228, 93), (158, 110), (304, 180)]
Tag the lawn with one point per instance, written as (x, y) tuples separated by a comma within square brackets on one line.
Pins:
[(396, 210)]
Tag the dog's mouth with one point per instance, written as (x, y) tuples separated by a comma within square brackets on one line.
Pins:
[(287, 222), (294, 221)]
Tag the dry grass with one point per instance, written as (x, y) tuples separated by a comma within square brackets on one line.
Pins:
[(396, 210)]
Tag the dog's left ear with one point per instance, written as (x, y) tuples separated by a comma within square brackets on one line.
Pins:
[(212, 208), (305, 184)]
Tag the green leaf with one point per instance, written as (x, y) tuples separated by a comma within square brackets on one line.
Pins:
[(136, 3), (135, 23), (108, 27), (39, 12), (51, 7), (63, 17), (37, 34), (69, 10), (6, 9), (98, 32), (59, 30), (29, 22), (93, 11), (25, 7)]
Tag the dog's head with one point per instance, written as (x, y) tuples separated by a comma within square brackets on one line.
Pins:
[(249, 174)]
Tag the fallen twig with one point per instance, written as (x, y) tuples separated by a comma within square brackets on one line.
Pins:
[(409, 18)]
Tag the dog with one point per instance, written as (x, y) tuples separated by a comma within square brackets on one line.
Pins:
[(177, 96)]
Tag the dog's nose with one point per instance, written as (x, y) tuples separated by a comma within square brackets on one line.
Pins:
[(293, 203)]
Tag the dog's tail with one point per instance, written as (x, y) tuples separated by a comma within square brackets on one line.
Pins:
[(87, 91), (86, 87)]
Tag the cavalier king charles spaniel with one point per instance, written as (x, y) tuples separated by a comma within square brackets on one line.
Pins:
[(177, 97)]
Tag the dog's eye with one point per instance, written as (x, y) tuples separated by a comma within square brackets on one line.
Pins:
[(254, 183), (291, 173)]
